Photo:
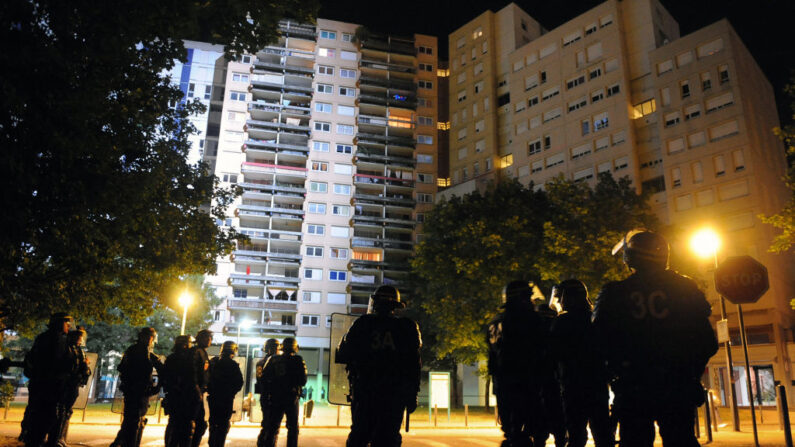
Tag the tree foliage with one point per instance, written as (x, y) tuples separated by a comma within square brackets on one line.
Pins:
[(102, 214), (785, 219), (476, 243)]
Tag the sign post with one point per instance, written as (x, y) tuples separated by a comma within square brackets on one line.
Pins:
[(439, 391), (743, 280)]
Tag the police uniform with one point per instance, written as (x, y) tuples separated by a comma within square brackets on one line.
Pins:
[(259, 388), (225, 381), (78, 377), (284, 377), (383, 362), (654, 328), (581, 373), (135, 371), (182, 399), (515, 339), (551, 420), (201, 371), (48, 366)]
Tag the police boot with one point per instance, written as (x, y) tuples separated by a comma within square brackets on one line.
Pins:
[(199, 429), (64, 429)]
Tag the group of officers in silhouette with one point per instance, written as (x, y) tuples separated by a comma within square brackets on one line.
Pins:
[(648, 339)]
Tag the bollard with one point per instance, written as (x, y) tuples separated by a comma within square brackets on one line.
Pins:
[(466, 415), (304, 416), (496, 416), (338, 414), (697, 426), (159, 412), (84, 413), (435, 415), (707, 414), (713, 412), (784, 408), (5, 413)]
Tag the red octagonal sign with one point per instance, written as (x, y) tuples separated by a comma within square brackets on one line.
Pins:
[(741, 279)]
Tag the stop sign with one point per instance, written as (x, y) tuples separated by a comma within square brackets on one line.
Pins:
[(741, 279)]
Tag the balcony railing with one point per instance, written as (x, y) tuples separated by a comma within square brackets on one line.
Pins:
[(379, 65), (267, 168), (365, 137), (301, 129), (280, 86), (384, 159), (379, 180), (265, 185), (388, 45), (397, 84), (393, 199), (266, 106), (260, 304), (394, 100), (264, 65), (265, 327)]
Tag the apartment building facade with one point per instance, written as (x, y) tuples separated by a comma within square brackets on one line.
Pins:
[(201, 77), (618, 90), (331, 133)]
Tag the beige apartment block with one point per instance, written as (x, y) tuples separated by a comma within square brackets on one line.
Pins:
[(618, 90), (331, 133)]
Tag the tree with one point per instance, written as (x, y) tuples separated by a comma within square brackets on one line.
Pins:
[(785, 219), (472, 244), (102, 214), (585, 224), (476, 243)]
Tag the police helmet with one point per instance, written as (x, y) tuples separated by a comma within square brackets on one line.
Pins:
[(59, 318), (145, 333), (77, 337), (386, 296), (182, 342), (229, 347), (271, 346), (521, 291), (289, 344), (204, 337), (644, 249), (572, 295)]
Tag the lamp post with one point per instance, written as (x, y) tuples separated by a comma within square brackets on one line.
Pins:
[(185, 301), (705, 244), (243, 324)]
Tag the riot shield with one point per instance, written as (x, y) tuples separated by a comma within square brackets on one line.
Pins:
[(118, 398), (337, 376), (82, 397), (255, 413), (118, 403), (237, 405)]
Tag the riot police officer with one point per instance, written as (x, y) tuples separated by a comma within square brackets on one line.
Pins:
[(135, 371), (655, 331), (580, 367), (551, 421), (516, 341), (181, 401), (382, 354), (48, 366), (201, 371), (269, 349), (78, 377), (284, 376), (225, 381)]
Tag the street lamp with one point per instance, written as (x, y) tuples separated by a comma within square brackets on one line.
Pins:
[(705, 244), (185, 301), (243, 324)]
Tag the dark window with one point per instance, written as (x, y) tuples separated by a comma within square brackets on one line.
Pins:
[(503, 99)]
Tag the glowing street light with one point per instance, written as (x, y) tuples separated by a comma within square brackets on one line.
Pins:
[(185, 300), (705, 244), (245, 324)]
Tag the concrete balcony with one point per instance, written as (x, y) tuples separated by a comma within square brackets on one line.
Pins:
[(231, 327), (259, 304)]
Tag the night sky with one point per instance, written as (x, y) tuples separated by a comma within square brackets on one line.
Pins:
[(766, 26)]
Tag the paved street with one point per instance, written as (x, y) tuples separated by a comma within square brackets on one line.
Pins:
[(91, 435)]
